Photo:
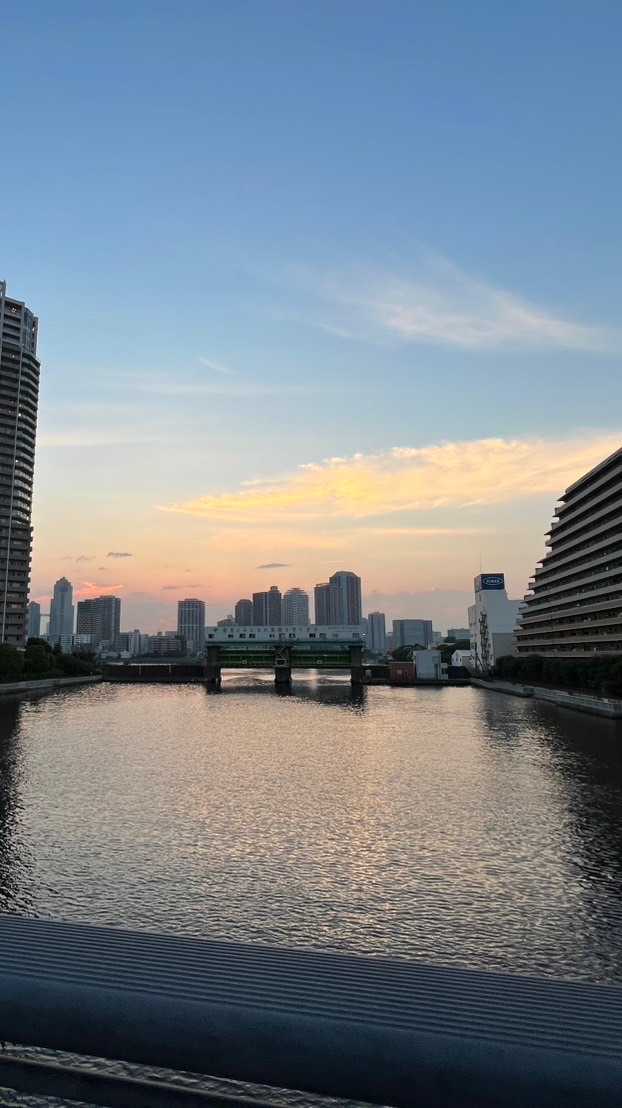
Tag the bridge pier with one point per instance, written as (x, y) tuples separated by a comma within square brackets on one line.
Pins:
[(283, 666), (212, 667), (356, 665)]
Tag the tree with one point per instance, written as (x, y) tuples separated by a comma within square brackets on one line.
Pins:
[(11, 663)]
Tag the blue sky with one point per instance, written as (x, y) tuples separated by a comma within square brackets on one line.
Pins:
[(260, 235)]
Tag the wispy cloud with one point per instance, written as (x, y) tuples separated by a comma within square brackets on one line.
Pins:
[(162, 386), (440, 304), (118, 554), (274, 565), (91, 588), (85, 558), (217, 367), (411, 479), (80, 439), (170, 588)]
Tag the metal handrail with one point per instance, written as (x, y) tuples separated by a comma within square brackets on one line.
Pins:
[(388, 1032)]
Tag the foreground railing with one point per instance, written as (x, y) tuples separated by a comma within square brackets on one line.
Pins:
[(387, 1032)]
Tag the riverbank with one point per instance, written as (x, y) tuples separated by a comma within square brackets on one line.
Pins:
[(48, 685), (563, 698)]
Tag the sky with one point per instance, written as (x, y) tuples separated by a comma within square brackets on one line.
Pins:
[(322, 285)]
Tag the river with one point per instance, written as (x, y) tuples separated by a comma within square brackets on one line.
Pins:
[(452, 825)]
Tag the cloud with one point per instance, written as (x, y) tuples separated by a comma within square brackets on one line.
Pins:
[(274, 565), (217, 367), (85, 558), (241, 391), (411, 479), (118, 554), (170, 588), (91, 588), (440, 304)]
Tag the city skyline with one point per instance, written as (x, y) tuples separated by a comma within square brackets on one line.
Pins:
[(313, 323)]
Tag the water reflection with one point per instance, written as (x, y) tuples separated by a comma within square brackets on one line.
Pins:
[(454, 825), (13, 861)]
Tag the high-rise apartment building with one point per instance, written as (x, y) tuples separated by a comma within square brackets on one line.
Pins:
[(191, 624), (61, 615), (34, 620), (412, 632), (574, 605), (376, 639), (19, 398), (295, 608), (267, 608), (100, 618), (327, 605), (244, 613), (351, 607)]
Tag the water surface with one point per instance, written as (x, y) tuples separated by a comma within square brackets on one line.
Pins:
[(453, 825)]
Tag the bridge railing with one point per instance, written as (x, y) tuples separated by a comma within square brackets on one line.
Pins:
[(370, 1029)]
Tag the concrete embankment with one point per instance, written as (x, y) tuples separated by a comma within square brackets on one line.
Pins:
[(563, 698), (48, 685)]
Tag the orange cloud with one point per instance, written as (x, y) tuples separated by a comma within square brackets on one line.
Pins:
[(410, 479)]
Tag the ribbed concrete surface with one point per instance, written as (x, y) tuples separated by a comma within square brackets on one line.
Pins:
[(388, 1031)]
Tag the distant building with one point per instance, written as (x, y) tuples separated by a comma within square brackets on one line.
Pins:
[(61, 615), (34, 620), (351, 607), (327, 605), (161, 645), (267, 608), (191, 624), (462, 658), (437, 638), (244, 613), (413, 632), (19, 396), (100, 617), (228, 621), (458, 633), (376, 637), (573, 608), (492, 621), (295, 607), (390, 642), (428, 665), (134, 642)]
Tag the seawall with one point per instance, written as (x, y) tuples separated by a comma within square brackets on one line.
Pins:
[(48, 685), (564, 698)]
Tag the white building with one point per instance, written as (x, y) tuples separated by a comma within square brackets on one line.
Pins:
[(376, 637), (191, 624), (295, 607), (285, 634), (462, 658), (492, 621), (428, 665)]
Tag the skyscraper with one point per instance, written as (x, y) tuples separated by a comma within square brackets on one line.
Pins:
[(101, 619), (61, 615), (267, 608), (191, 624), (19, 397), (34, 620), (412, 632), (244, 613), (351, 608), (327, 605), (377, 633), (296, 608)]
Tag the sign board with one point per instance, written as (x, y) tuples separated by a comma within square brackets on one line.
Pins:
[(488, 581)]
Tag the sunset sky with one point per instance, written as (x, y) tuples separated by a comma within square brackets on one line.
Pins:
[(322, 285)]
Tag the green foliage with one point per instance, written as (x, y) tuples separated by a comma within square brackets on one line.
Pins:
[(11, 663), (599, 675), (403, 653)]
